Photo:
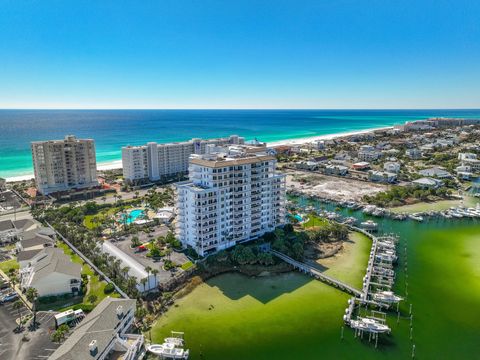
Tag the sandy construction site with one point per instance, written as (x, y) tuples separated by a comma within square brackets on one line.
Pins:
[(331, 187)]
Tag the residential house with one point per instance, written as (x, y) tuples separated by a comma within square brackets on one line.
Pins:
[(331, 169), (382, 176), (414, 153), (392, 167), (368, 153), (436, 171), (361, 166), (428, 183), (51, 273)]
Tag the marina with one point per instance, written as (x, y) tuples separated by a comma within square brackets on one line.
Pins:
[(378, 282), (295, 315)]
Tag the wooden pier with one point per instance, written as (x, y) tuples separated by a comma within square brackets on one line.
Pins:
[(317, 274)]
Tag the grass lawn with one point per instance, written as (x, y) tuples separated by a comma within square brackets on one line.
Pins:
[(314, 221), (6, 266), (8, 247), (187, 265)]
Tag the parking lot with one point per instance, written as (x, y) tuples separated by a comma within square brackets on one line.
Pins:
[(163, 275), (12, 342), (8, 200)]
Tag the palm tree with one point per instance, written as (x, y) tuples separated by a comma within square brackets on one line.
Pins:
[(125, 271), (17, 305), (32, 296), (143, 282), (148, 269), (155, 273), (132, 285)]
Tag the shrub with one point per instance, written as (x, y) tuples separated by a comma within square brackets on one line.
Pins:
[(109, 288), (84, 307)]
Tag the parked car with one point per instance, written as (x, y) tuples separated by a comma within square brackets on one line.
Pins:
[(5, 291), (9, 297)]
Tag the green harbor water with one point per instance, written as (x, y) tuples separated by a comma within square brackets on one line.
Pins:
[(291, 316)]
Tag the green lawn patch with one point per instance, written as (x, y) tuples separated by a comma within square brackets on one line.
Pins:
[(314, 221), (187, 265), (6, 266)]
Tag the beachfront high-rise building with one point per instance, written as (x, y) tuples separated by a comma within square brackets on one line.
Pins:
[(154, 162), (232, 196), (61, 165)]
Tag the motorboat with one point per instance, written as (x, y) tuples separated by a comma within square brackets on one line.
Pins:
[(387, 297), (383, 271), (168, 350), (369, 325), (386, 245), (172, 348), (386, 257), (369, 225), (416, 217)]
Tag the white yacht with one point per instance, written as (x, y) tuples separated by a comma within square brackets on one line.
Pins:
[(386, 258), (370, 325), (416, 217), (387, 297), (369, 225), (172, 348), (386, 245)]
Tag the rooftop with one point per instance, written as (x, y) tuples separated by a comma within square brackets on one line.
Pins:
[(99, 326)]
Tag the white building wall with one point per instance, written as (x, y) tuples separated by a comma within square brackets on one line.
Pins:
[(220, 207), (54, 284), (170, 159), (61, 165)]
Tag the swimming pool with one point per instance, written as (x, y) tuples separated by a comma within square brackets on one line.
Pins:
[(132, 216), (298, 217)]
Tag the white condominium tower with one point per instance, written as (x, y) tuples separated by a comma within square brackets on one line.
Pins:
[(61, 165), (162, 161), (232, 196)]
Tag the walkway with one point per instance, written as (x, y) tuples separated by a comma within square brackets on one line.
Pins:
[(317, 274)]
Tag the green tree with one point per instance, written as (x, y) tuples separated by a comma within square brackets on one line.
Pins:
[(32, 296), (92, 298), (18, 305), (135, 241)]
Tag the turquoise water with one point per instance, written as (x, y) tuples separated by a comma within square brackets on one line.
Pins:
[(113, 129), (133, 215)]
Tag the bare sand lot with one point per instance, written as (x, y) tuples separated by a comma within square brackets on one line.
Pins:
[(331, 187)]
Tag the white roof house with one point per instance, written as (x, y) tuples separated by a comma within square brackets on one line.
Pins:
[(51, 272), (435, 171), (392, 166), (429, 183)]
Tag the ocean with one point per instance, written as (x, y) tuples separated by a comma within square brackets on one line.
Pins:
[(112, 129)]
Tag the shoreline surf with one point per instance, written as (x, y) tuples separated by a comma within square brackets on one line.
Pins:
[(117, 164)]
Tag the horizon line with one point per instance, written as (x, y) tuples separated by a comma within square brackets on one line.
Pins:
[(237, 109)]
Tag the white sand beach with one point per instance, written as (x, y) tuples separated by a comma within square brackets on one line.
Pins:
[(301, 141), (117, 164)]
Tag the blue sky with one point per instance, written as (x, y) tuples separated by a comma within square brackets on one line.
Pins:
[(239, 54)]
